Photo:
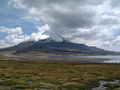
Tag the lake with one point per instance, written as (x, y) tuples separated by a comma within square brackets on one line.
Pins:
[(82, 59)]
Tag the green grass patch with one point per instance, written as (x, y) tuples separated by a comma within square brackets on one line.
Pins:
[(74, 76)]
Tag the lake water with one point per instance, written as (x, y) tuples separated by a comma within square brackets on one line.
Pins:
[(86, 59)]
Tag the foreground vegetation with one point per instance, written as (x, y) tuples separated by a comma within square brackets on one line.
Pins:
[(36, 75)]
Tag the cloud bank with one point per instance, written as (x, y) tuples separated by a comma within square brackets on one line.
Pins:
[(15, 35)]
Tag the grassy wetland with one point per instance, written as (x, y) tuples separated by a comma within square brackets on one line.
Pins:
[(39, 75)]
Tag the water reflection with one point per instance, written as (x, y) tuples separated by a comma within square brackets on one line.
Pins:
[(112, 61)]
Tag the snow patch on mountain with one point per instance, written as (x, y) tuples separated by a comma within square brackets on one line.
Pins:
[(44, 32)]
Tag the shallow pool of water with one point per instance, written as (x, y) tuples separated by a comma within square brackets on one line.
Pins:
[(102, 83), (101, 86), (5, 87)]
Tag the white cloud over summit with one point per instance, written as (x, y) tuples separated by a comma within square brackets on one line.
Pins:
[(93, 22), (41, 33)]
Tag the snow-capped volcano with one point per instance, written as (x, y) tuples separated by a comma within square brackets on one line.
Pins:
[(50, 45)]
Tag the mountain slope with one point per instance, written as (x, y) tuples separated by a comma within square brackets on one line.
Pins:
[(51, 46), (20, 46)]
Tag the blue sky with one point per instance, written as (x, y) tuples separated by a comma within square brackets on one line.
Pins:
[(12, 18), (92, 22)]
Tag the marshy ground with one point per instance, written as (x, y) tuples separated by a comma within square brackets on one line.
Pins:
[(39, 75)]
